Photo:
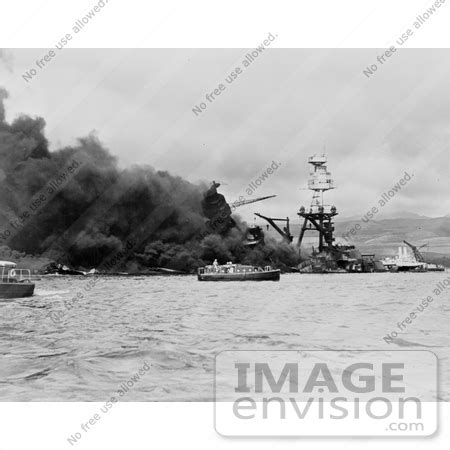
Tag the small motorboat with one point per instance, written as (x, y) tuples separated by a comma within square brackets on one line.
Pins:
[(237, 272), (15, 283)]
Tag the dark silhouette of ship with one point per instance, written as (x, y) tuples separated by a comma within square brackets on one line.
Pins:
[(218, 211), (328, 257)]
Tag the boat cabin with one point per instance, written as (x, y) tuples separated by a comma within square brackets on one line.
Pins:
[(9, 273)]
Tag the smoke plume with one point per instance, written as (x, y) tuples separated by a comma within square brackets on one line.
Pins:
[(75, 206)]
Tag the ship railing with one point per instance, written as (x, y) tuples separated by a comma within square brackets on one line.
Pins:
[(317, 159)]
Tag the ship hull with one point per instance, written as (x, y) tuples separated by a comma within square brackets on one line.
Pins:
[(270, 275), (16, 290), (410, 269)]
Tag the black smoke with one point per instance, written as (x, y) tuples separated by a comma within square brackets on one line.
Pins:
[(99, 208)]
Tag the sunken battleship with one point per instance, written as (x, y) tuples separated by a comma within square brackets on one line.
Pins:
[(325, 256), (318, 218)]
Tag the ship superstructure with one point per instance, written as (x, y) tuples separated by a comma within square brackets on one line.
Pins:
[(318, 217)]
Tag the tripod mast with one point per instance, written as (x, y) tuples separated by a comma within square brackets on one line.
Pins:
[(318, 218)]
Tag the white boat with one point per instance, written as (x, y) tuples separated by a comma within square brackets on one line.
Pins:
[(404, 262), (14, 283)]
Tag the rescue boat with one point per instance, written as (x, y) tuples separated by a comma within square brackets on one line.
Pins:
[(14, 283), (237, 272)]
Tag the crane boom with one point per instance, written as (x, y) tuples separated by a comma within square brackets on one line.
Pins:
[(286, 233), (253, 200), (419, 257)]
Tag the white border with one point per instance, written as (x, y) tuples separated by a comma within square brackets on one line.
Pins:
[(213, 24), (199, 23), (166, 426)]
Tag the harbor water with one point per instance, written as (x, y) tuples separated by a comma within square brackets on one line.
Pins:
[(73, 343)]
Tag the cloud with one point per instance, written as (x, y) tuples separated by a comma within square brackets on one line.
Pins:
[(288, 105)]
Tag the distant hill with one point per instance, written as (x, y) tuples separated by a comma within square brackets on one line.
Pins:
[(419, 231), (383, 237), (388, 216)]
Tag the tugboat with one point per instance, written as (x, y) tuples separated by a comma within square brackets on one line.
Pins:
[(14, 283), (237, 272)]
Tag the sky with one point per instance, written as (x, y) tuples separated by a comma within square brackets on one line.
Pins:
[(285, 106)]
